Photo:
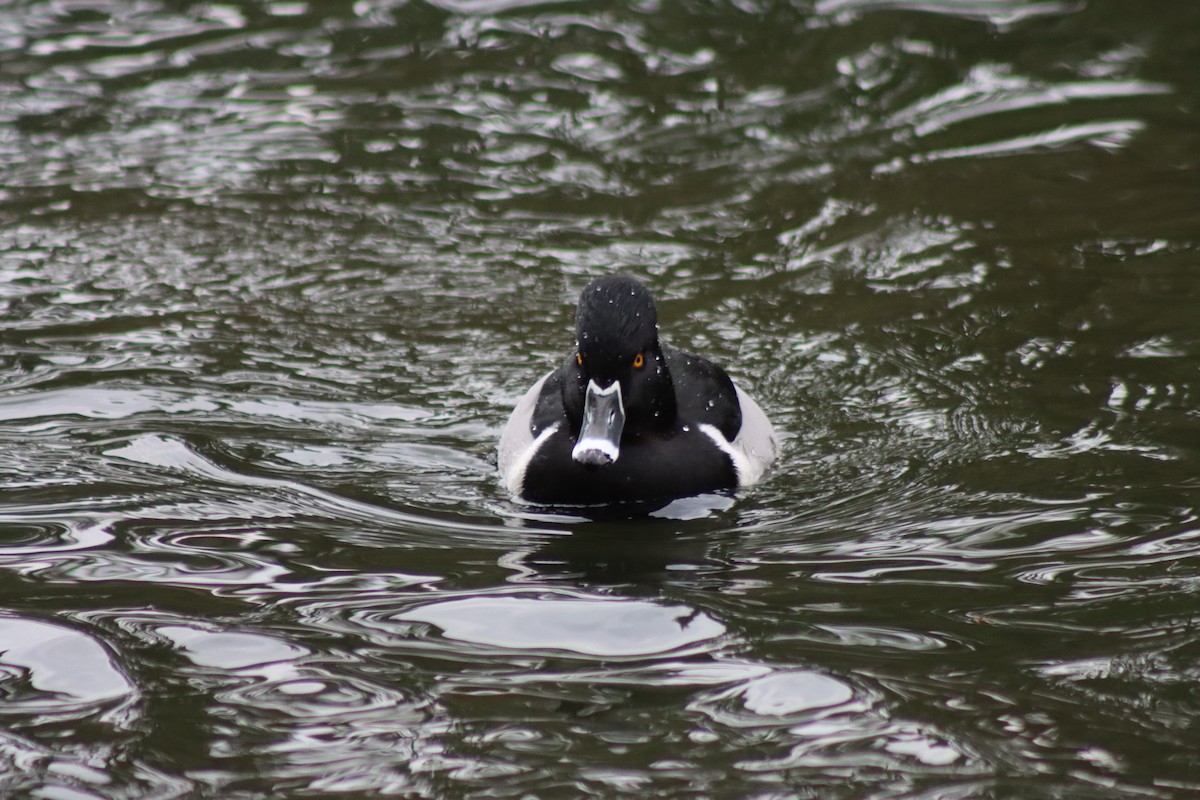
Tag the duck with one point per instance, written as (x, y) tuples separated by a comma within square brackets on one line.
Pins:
[(627, 418)]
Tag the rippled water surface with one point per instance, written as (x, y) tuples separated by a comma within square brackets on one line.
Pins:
[(273, 274)]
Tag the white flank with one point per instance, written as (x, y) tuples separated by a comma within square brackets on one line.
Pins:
[(755, 446), (517, 445), (515, 477)]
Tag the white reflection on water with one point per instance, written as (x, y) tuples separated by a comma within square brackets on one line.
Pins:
[(786, 693), (593, 627), (235, 651), (1001, 13), (65, 667)]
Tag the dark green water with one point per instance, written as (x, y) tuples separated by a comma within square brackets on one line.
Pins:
[(273, 274)]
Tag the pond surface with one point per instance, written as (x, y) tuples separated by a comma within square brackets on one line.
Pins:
[(273, 274)]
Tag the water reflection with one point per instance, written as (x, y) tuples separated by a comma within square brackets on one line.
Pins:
[(64, 669), (789, 694), (589, 626)]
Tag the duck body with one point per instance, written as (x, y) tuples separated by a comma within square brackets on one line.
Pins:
[(626, 418)]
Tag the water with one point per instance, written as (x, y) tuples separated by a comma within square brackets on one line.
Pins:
[(274, 273)]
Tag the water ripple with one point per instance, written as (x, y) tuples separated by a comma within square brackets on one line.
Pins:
[(26, 534), (272, 275), (286, 701)]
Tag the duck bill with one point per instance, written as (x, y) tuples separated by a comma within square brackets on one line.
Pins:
[(599, 441)]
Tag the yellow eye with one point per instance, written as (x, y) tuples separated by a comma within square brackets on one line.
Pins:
[(579, 359), (638, 361)]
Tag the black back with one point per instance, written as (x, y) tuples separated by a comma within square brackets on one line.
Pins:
[(703, 392)]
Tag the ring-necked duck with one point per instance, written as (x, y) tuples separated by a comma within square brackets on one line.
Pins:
[(626, 418)]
